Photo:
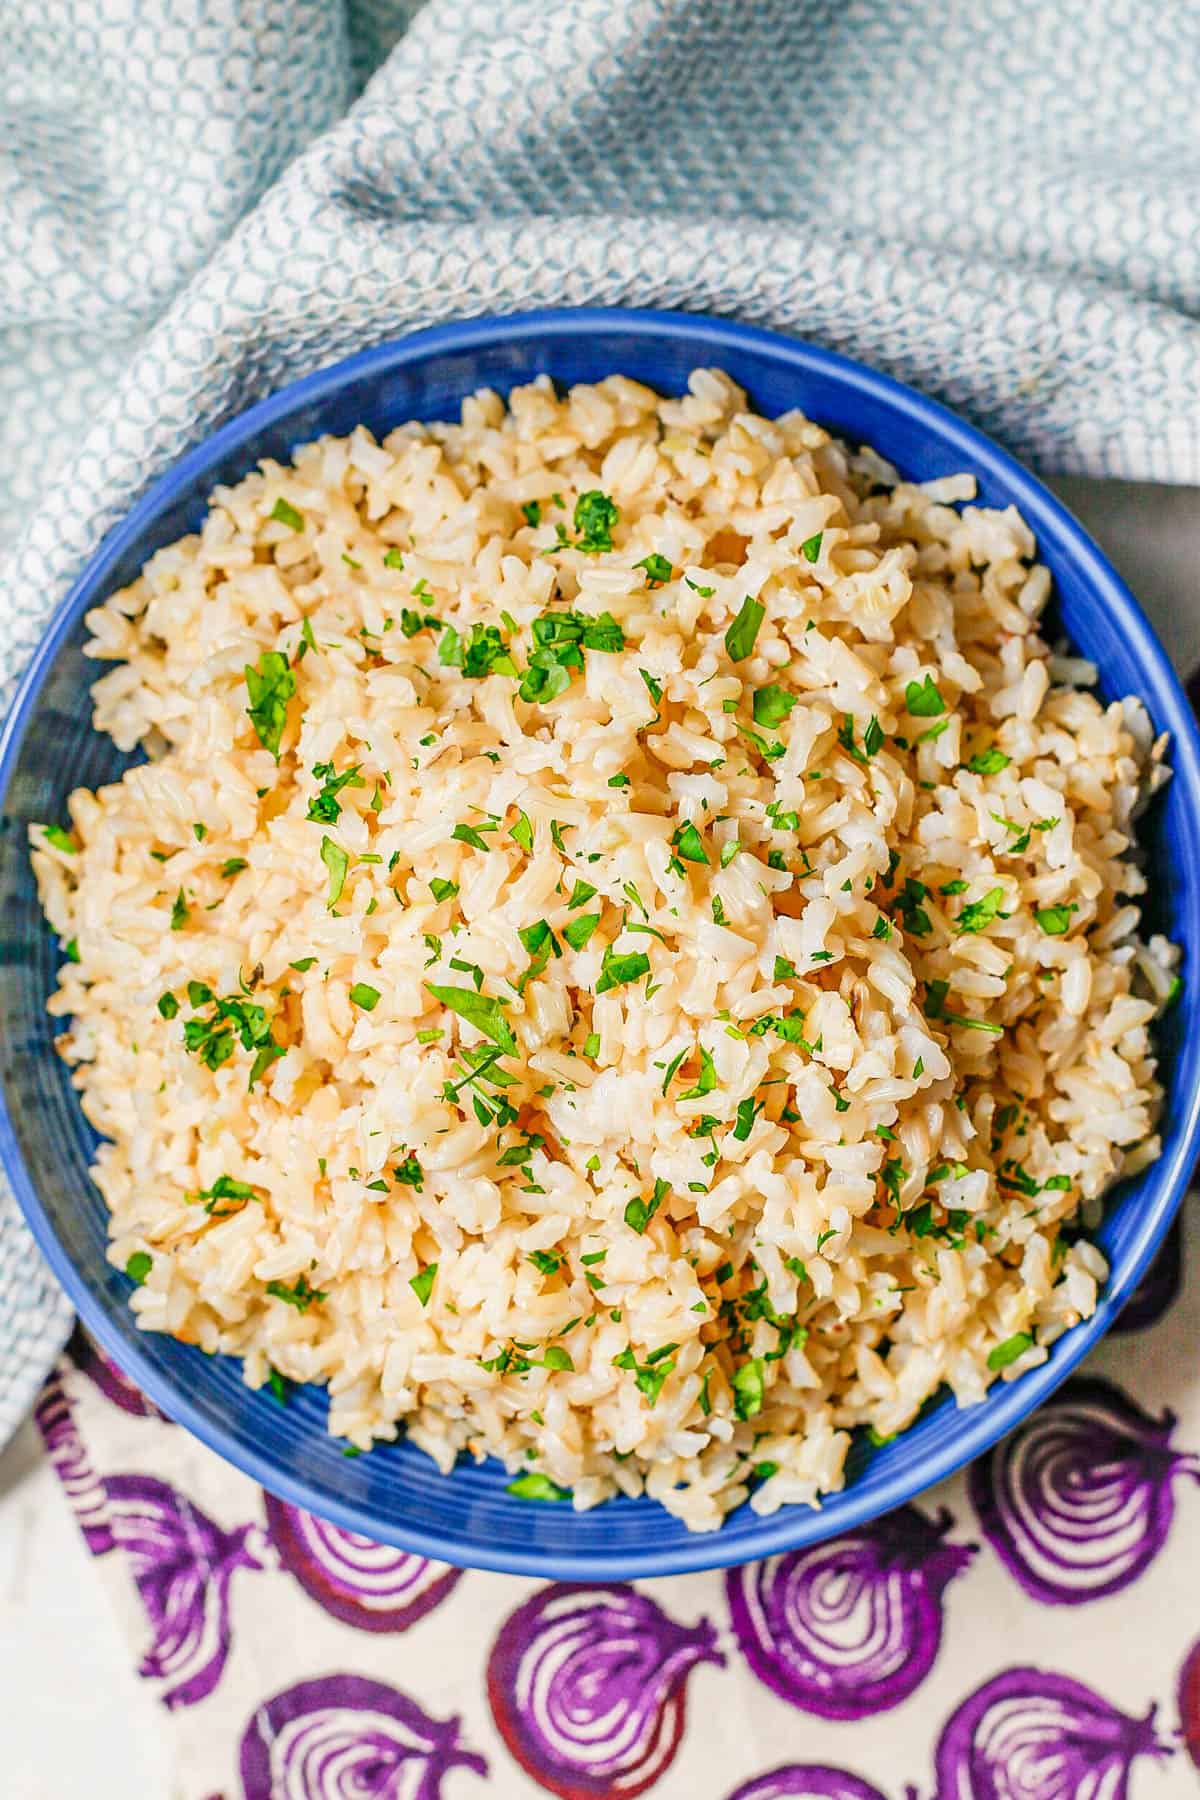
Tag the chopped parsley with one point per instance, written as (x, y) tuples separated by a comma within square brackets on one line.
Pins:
[(772, 705), (225, 1188), (270, 686), (1055, 920), (364, 996), (559, 642), (467, 834), (872, 738), (980, 913), (179, 911), (747, 1111), (810, 549), (670, 1071), (337, 862), (748, 1389), (688, 844), (988, 762), (139, 1266), (1009, 1351), (579, 930), (935, 1008), (546, 1262), (658, 569), (639, 1212), (284, 513), (325, 807), (595, 516), (233, 866), (650, 1375), (923, 699), (534, 1486), (618, 971), (422, 1284), (442, 890), (1018, 833), (532, 512), (60, 839), (409, 1173), (168, 1005), (522, 832), (913, 917), (707, 1079), (299, 1294), (485, 1014), (741, 636)]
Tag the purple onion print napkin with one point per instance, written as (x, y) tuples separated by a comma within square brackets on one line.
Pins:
[(1028, 1631)]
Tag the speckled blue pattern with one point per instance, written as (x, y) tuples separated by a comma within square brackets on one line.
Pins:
[(998, 203)]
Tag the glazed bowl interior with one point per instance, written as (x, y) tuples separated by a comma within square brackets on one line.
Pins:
[(395, 1494)]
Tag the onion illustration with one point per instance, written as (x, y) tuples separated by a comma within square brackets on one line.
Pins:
[(851, 1626), (1189, 1702), (182, 1564), (807, 1781), (587, 1685), (1158, 1289), (1078, 1501), (112, 1382), (55, 1416), (343, 1737), (362, 1583), (1031, 1735)]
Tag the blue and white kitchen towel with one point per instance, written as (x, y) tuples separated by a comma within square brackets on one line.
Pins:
[(999, 203)]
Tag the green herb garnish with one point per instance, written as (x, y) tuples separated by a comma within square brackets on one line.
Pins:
[(270, 687), (595, 516), (1008, 1352), (422, 1284), (748, 1389), (923, 700), (534, 1486), (325, 807), (617, 971), (658, 569), (337, 862), (988, 762), (741, 636), (1055, 920), (300, 1295), (485, 1014), (980, 913)]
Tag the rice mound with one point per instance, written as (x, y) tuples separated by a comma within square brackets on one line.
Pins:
[(651, 1079)]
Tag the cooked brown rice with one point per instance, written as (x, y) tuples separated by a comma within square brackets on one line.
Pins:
[(799, 1014)]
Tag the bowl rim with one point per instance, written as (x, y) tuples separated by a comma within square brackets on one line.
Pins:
[(1007, 1404)]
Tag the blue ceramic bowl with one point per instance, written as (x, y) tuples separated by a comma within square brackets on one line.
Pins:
[(48, 748)]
